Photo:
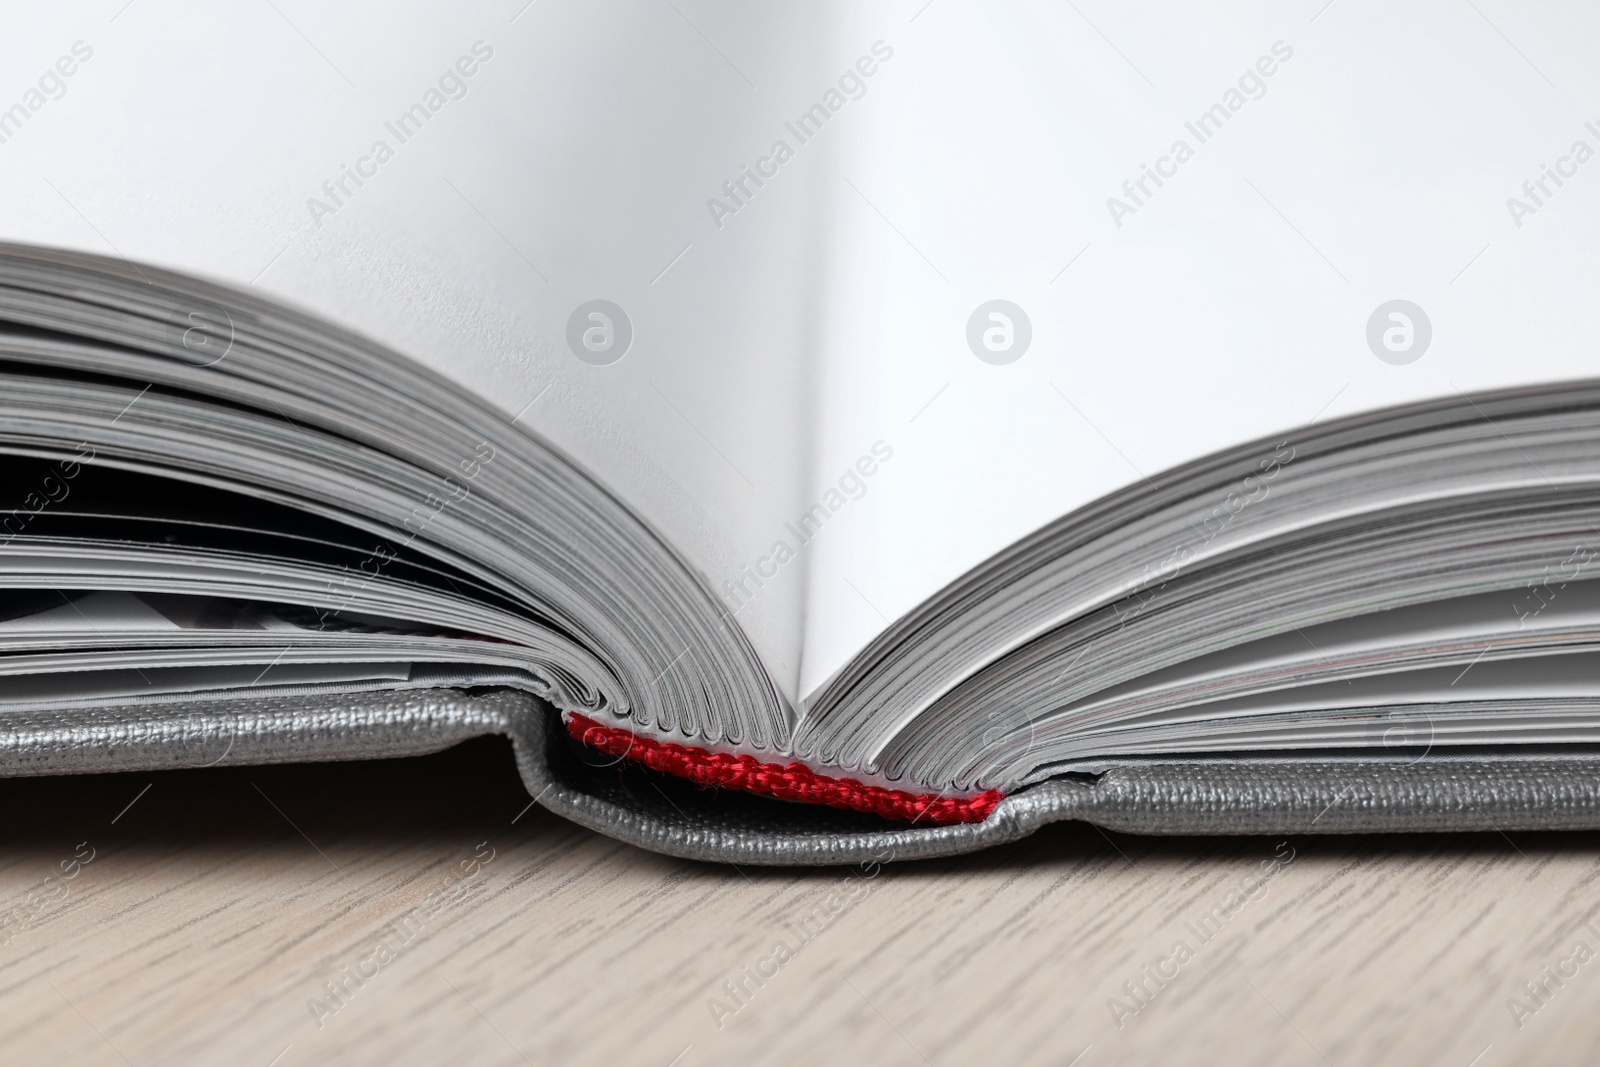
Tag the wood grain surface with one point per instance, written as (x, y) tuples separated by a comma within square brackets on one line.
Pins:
[(403, 913)]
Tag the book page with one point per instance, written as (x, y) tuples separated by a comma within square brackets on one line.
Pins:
[(885, 287), (513, 193), (1078, 245)]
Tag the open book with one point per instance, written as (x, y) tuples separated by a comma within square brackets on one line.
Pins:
[(889, 414)]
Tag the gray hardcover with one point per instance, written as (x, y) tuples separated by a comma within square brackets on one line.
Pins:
[(1272, 795)]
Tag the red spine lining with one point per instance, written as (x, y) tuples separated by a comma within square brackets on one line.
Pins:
[(795, 781)]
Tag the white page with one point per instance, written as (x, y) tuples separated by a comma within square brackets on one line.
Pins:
[(576, 165), (1532, 679), (1232, 305), (1461, 630)]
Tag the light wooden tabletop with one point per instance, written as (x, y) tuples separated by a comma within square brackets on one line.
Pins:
[(402, 913)]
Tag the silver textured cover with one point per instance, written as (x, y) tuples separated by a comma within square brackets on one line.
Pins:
[(1343, 794)]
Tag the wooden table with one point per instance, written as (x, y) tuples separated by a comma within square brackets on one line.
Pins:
[(403, 913)]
